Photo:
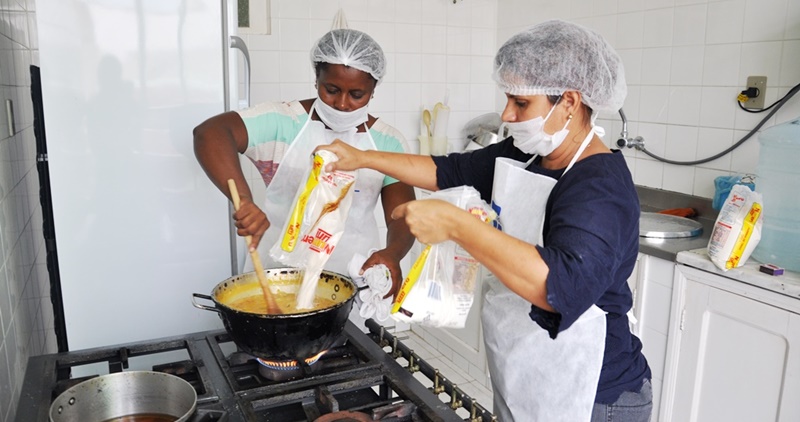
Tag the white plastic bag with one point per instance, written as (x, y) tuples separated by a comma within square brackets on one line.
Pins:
[(439, 288), (316, 223), (737, 230)]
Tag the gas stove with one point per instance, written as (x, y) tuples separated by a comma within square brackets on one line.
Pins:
[(364, 376)]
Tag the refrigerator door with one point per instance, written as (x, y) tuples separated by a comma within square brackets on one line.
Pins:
[(139, 226)]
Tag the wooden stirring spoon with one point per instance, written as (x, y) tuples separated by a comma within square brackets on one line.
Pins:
[(272, 305)]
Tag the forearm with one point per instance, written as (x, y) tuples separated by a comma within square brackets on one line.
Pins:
[(515, 263), (414, 170)]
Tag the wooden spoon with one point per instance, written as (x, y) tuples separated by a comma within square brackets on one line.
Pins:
[(272, 305)]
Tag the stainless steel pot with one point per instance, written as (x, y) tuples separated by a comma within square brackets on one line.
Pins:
[(126, 394)]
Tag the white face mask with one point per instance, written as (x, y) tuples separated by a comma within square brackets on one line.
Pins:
[(530, 137), (340, 121)]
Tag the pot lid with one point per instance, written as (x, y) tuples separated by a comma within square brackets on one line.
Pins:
[(665, 226)]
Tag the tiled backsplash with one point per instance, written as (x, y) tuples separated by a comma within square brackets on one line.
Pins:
[(26, 315), (685, 63)]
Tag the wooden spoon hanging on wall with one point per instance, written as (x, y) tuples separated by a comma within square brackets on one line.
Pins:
[(272, 305)]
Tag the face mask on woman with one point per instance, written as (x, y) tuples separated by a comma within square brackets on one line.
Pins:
[(530, 137), (340, 121)]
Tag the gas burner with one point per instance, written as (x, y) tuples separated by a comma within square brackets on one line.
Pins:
[(281, 370), (345, 416)]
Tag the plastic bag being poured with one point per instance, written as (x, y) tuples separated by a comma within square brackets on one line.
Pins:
[(315, 224)]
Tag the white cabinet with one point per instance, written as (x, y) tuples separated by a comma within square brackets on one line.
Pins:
[(651, 285), (734, 352)]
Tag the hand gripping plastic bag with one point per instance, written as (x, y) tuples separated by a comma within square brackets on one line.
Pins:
[(737, 230), (315, 224), (439, 288)]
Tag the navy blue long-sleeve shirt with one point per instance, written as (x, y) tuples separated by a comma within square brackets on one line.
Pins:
[(591, 241)]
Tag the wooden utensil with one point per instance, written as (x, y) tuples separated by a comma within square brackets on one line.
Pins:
[(272, 305)]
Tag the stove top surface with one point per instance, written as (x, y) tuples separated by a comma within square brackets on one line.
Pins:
[(355, 379)]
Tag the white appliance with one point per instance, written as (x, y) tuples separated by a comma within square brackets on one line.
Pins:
[(139, 227)]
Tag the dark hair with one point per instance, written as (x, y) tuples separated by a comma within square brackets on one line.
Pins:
[(587, 119), (320, 66)]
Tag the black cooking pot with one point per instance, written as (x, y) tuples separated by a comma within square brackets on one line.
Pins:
[(282, 337)]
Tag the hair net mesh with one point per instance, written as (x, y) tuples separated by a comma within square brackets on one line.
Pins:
[(557, 56), (351, 48)]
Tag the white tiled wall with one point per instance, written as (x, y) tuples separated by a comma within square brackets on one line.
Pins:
[(26, 315), (686, 60)]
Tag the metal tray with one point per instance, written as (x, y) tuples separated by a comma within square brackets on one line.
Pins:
[(665, 226)]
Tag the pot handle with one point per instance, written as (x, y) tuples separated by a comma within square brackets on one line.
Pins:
[(201, 306)]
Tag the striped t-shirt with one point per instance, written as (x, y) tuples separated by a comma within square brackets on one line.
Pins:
[(273, 126)]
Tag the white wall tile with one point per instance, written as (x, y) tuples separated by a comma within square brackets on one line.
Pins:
[(762, 59), (725, 22), (382, 11), (408, 38), (323, 9), (384, 35), (459, 14), (434, 68), (459, 40), (704, 181), (678, 178), (648, 173), (687, 65), (630, 30), (721, 65), (294, 35), (792, 19), (293, 9), (409, 11), (681, 143), (355, 10), (745, 158), (684, 105), (654, 104), (790, 63), (435, 11), (624, 6), (656, 66), (658, 28), (434, 39), (717, 107), (458, 69), (408, 67), (712, 142), (689, 25), (265, 67), (407, 97), (764, 20), (655, 138)]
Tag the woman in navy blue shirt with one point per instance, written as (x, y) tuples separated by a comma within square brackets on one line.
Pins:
[(554, 315)]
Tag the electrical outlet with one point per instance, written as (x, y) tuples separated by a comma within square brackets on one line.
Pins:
[(759, 82)]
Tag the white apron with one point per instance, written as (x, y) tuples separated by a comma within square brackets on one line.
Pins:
[(361, 230), (534, 377)]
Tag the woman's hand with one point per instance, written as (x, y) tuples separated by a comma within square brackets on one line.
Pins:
[(250, 221), (349, 158), (431, 221), (384, 257)]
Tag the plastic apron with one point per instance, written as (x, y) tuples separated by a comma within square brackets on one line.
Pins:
[(361, 232), (534, 377)]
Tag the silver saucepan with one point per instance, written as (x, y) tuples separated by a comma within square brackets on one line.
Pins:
[(126, 396)]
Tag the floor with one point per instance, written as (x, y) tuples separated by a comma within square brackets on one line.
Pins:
[(457, 375)]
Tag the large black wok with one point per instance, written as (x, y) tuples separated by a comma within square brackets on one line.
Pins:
[(287, 336)]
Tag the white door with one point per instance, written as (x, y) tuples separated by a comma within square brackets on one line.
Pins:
[(738, 359)]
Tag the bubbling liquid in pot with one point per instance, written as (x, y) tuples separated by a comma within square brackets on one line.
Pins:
[(287, 303)]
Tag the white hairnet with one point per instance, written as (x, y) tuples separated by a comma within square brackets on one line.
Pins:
[(557, 56), (351, 48)]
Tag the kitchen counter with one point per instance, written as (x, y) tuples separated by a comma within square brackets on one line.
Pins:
[(655, 200), (787, 284)]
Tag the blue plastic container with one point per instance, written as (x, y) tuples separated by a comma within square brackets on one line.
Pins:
[(778, 179), (723, 186)]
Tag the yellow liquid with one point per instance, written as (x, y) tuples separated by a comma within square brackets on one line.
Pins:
[(287, 303)]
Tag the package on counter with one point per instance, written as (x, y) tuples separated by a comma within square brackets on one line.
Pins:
[(315, 224), (439, 288), (737, 230)]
